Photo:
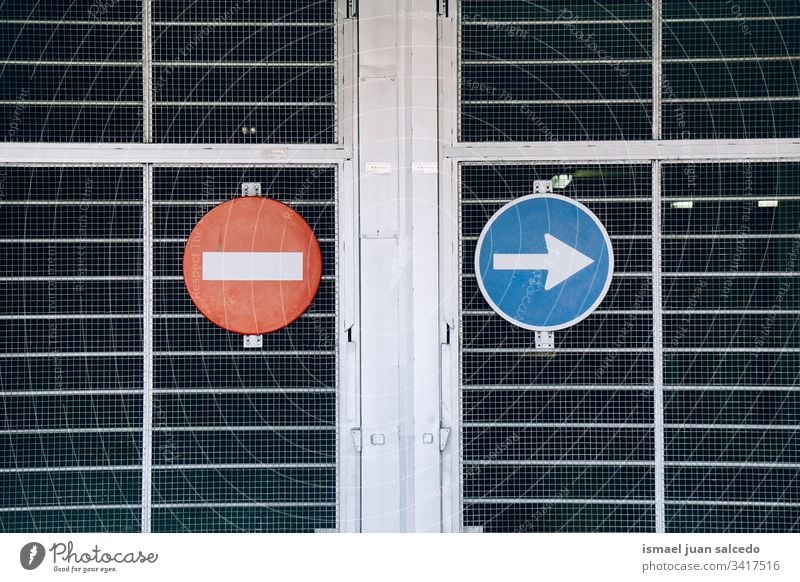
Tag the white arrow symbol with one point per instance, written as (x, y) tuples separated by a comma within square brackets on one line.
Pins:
[(561, 262)]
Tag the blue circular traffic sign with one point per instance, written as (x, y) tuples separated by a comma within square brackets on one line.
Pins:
[(544, 262)]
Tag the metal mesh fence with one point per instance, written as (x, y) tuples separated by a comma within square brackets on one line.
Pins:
[(583, 70), (205, 71), (562, 439), (730, 69), (533, 71), (244, 72), (71, 358), (242, 439), (731, 250), (71, 71)]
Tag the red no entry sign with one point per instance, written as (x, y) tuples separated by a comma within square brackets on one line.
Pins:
[(252, 265)]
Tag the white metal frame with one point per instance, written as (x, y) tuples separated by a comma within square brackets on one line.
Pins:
[(341, 154), (415, 82), (656, 152)]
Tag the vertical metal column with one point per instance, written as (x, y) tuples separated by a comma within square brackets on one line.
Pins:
[(658, 354), (656, 69), (379, 205), (398, 151), (423, 152), (147, 349), (147, 72), (449, 282), (658, 340)]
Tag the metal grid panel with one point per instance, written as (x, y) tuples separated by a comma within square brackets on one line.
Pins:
[(243, 440), (732, 346), (560, 440), (210, 71), (227, 71), (71, 71), (574, 70), (71, 357), (730, 69)]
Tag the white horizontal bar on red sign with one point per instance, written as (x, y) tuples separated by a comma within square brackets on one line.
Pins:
[(266, 266)]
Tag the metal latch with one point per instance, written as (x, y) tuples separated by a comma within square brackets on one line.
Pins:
[(356, 434), (444, 435)]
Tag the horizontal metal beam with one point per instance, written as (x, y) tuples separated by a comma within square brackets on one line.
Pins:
[(63, 354), (628, 388), (246, 353), (245, 466), (165, 391), (253, 504), (13, 355), (554, 101), (732, 503), (169, 154), (528, 350), (76, 469), (92, 22), (244, 64), (597, 101), (470, 20), (219, 103), (69, 316), (736, 427), (250, 23), (581, 387), (627, 463), (28, 508), (553, 501), (523, 62), (253, 391), (69, 430), (585, 501), (617, 425), (33, 279), (562, 462), (628, 151), (232, 428), (49, 241), (724, 388)]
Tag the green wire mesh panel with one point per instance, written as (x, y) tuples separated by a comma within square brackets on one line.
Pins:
[(560, 440), (731, 69), (243, 440), (71, 349), (731, 271), (553, 71)]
